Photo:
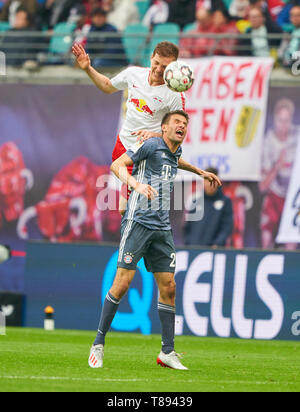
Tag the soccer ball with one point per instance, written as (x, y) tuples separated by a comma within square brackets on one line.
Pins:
[(179, 76)]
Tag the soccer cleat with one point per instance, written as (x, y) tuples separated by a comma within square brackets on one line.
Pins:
[(96, 356), (170, 360)]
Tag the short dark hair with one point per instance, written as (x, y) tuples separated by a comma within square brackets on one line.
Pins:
[(167, 116), (98, 11), (295, 6), (22, 9), (212, 170), (166, 49)]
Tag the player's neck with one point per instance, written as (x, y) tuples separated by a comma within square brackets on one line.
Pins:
[(171, 145), (154, 83)]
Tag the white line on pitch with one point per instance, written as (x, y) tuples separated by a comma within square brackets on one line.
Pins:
[(66, 378)]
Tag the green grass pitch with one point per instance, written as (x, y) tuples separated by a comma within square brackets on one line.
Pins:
[(36, 360)]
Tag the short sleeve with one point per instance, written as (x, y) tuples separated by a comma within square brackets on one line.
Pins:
[(144, 150), (178, 102), (120, 81)]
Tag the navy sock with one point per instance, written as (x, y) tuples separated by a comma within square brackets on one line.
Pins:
[(110, 307), (167, 320)]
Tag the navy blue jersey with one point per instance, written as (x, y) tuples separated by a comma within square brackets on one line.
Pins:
[(156, 165)]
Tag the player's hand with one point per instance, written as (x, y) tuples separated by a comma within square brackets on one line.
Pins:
[(212, 178), (82, 58), (146, 190), (143, 135)]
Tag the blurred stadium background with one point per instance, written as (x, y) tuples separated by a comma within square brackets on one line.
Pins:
[(56, 139)]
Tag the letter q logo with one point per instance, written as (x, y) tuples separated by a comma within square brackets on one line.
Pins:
[(140, 303)]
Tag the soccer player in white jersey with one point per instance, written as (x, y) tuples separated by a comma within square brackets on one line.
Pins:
[(149, 99)]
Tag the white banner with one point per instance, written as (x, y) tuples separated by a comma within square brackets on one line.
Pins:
[(227, 107), (289, 230)]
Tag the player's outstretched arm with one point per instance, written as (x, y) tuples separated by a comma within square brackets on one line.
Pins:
[(83, 60), (119, 168), (211, 177)]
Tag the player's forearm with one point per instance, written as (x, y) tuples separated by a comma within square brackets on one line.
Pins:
[(121, 172), (102, 82), (183, 165), (268, 180)]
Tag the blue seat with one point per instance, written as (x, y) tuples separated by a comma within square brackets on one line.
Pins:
[(189, 27), (227, 3), (62, 38), (165, 32), (288, 28), (162, 32), (4, 25), (135, 38), (142, 6)]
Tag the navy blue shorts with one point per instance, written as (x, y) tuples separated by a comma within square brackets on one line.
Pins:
[(155, 246)]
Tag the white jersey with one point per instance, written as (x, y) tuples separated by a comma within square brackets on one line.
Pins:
[(146, 105)]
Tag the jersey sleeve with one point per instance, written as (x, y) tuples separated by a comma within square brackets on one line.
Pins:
[(142, 151), (120, 81), (178, 102)]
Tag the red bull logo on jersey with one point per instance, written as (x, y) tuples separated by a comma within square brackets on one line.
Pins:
[(141, 106)]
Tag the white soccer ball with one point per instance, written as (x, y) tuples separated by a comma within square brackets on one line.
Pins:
[(179, 76)]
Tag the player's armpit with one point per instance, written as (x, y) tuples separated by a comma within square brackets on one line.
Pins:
[(121, 162)]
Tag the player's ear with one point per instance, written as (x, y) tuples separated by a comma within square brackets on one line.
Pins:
[(164, 128)]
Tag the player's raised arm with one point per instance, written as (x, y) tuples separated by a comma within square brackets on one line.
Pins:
[(212, 178), (119, 168), (102, 82)]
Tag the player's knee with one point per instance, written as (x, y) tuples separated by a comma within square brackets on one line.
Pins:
[(120, 288), (172, 289), (168, 291), (124, 285)]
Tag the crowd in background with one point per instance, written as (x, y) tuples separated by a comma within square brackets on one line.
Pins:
[(257, 18), (264, 21)]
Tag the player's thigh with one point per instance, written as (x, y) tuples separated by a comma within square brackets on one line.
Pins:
[(161, 254), (134, 243)]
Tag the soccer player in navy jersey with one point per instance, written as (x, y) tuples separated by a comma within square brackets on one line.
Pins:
[(146, 232)]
